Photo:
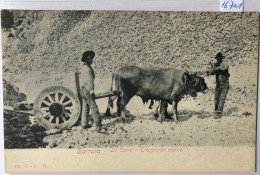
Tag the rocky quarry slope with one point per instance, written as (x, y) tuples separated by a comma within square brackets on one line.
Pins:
[(55, 41)]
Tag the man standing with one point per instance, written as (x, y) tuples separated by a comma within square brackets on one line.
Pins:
[(87, 89), (220, 69)]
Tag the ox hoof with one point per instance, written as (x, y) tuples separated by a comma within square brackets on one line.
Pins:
[(160, 119), (107, 114), (122, 119), (155, 115), (217, 115), (126, 120), (177, 122), (95, 128), (168, 116)]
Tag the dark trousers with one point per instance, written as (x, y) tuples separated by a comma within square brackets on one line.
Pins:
[(88, 102), (220, 96)]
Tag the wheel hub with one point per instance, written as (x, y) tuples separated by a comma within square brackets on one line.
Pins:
[(56, 109)]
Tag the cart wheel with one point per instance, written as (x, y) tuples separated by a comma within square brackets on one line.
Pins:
[(57, 107)]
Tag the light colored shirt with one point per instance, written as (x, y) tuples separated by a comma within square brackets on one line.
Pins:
[(223, 77), (224, 65), (87, 78)]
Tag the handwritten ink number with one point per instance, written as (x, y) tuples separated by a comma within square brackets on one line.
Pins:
[(224, 5), (232, 5), (238, 6)]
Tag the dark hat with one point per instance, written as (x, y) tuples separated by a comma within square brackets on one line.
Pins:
[(87, 55), (219, 55)]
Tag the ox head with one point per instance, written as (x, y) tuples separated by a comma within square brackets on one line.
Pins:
[(194, 84)]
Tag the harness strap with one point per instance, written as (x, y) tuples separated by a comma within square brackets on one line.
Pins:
[(185, 79), (187, 82)]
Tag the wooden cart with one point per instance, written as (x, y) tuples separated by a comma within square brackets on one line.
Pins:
[(58, 107)]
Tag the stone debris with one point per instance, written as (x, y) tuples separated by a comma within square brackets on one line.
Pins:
[(118, 39)]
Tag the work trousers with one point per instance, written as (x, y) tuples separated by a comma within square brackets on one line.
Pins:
[(220, 96), (88, 103)]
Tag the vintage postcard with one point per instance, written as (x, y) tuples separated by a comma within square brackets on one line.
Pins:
[(129, 91)]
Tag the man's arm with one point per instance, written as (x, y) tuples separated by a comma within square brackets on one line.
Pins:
[(211, 71), (91, 81), (223, 66), (200, 72)]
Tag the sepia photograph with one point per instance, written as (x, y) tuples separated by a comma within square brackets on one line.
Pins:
[(140, 82)]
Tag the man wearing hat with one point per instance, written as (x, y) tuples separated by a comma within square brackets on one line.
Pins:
[(87, 89), (220, 69)]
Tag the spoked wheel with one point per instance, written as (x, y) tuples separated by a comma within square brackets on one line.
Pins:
[(57, 107)]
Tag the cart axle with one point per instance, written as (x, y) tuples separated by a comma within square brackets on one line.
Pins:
[(56, 109)]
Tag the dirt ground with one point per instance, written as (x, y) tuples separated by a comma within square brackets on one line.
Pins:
[(197, 126), (50, 53)]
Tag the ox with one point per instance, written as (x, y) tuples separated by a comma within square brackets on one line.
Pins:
[(167, 85)]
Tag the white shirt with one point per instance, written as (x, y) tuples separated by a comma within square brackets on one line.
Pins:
[(86, 78)]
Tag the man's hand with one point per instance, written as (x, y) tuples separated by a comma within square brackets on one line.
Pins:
[(215, 68), (93, 96), (92, 93), (211, 64)]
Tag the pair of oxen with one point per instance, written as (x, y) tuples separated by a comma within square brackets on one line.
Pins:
[(164, 85)]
